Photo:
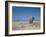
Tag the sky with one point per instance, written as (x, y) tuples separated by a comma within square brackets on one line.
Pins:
[(22, 13)]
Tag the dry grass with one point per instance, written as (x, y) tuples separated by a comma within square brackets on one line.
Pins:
[(22, 25)]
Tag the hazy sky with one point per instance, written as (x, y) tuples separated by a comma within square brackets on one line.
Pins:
[(22, 13)]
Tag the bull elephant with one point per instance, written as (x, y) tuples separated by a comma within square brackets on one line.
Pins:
[(31, 20)]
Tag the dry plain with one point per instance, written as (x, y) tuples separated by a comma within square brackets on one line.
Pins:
[(25, 25)]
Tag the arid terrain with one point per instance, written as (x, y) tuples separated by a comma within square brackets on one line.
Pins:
[(25, 25)]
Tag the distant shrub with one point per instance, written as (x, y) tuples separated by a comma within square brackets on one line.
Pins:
[(17, 20)]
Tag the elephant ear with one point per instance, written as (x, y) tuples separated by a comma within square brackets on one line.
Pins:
[(32, 18)]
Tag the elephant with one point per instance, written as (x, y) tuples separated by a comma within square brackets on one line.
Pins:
[(31, 20)]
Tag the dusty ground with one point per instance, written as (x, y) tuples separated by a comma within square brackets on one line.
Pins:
[(24, 25)]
